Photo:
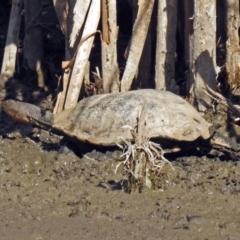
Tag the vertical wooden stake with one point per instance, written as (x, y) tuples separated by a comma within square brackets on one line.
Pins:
[(9, 58)]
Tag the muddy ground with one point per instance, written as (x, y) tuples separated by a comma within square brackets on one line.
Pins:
[(48, 192)]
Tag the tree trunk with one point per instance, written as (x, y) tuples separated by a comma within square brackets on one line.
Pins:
[(10, 53), (76, 18), (232, 44), (145, 64), (110, 71), (166, 45), (143, 78), (62, 8), (140, 30), (33, 41), (188, 13), (204, 50), (82, 56)]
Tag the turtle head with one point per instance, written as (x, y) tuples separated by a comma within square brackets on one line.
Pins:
[(27, 113), (17, 110)]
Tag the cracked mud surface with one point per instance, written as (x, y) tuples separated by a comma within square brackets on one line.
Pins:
[(50, 195)]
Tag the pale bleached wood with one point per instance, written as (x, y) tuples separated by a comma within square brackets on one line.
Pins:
[(79, 14), (110, 71), (83, 55), (166, 46), (62, 95), (67, 69), (143, 78), (10, 52), (139, 34), (71, 17), (204, 50), (232, 44)]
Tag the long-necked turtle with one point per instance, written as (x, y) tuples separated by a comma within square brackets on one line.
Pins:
[(99, 119)]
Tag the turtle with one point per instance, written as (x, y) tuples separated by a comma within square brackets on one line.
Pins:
[(99, 119)]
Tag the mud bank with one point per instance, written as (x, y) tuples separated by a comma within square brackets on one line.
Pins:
[(50, 195)]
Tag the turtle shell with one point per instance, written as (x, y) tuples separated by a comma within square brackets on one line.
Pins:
[(99, 119)]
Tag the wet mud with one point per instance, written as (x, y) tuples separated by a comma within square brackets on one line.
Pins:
[(47, 194)]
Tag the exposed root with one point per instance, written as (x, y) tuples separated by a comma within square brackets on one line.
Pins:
[(143, 162)]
